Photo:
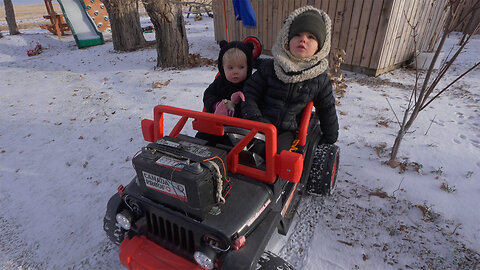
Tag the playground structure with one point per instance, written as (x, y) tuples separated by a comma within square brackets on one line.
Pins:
[(77, 20), (57, 25), (97, 11)]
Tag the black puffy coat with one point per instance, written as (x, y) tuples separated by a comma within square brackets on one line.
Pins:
[(218, 90), (221, 88), (272, 101)]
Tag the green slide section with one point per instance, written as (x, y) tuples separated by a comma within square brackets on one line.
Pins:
[(83, 27)]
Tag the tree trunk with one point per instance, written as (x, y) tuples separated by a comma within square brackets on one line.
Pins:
[(127, 33), (170, 34), (10, 17)]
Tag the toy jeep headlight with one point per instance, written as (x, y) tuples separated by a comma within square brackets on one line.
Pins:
[(205, 258), (124, 219)]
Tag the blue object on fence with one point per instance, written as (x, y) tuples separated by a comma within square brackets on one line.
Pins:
[(244, 11)]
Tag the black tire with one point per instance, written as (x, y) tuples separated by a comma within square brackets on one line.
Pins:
[(270, 261), (115, 233), (323, 173)]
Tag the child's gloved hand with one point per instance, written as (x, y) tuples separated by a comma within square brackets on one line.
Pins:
[(225, 107), (237, 97)]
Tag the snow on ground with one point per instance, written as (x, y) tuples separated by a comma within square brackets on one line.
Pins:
[(70, 124)]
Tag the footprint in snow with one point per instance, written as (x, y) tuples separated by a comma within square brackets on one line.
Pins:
[(475, 143)]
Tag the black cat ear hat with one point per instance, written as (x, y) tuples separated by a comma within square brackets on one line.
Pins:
[(246, 48)]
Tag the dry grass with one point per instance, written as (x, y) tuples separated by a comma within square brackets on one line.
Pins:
[(30, 16), (27, 16)]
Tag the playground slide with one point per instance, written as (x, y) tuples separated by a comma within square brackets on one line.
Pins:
[(82, 26)]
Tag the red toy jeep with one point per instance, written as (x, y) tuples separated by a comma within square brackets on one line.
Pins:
[(194, 206)]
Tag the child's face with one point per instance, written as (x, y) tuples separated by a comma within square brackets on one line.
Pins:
[(303, 45), (235, 70)]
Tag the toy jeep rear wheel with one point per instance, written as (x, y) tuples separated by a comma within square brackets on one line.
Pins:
[(323, 174), (270, 261)]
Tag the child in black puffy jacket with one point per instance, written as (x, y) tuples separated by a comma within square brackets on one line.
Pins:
[(224, 95), (281, 87), (235, 66)]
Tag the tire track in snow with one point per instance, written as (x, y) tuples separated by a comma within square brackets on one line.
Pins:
[(296, 248)]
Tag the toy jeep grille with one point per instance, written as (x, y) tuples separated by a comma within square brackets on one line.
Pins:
[(177, 236)]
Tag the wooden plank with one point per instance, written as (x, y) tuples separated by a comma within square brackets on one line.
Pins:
[(258, 13), (474, 19), (392, 33), (423, 22), (438, 29), (429, 27), (380, 38), (362, 32), (284, 11), (414, 22), (238, 25), (353, 31), (325, 6), (270, 32), (372, 31), (405, 33), (296, 4), (398, 34), (276, 21), (265, 19), (317, 4), (222, 22), (332, 5), (410, 49), (231, 21), (347, 16), (337, 24)]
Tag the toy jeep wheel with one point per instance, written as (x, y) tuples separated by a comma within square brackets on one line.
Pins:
[(270, 261), (323, 173), (115, 233)]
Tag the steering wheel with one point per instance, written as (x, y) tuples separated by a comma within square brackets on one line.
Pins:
[(251, 158), (235, 134)]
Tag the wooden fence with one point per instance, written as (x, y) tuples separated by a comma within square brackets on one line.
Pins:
[(471, 10), (375, 34)]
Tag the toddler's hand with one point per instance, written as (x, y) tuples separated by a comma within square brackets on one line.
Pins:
[(225, 107), (237, 97)]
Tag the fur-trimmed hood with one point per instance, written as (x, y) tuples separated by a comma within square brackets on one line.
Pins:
[(290, 69)]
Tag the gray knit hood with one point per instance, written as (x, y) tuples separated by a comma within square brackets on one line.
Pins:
[(290, 69)]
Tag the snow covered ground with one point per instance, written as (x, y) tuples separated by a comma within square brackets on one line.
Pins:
[(70, 124)]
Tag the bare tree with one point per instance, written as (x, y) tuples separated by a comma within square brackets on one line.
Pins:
[(421, 98), (170, 34), (127, 33), (10, 16)]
